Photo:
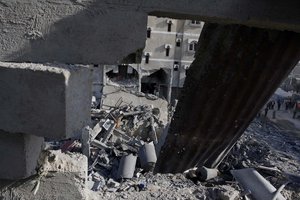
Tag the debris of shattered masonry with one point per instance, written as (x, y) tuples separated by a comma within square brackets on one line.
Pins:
[(123, 140), (121, 148)]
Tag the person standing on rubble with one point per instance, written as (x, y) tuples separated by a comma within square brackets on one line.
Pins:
[(296, 109), (278, 104), (273, 104), (269, 105), (266, 110)]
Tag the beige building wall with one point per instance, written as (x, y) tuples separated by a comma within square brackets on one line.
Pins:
[(179, 57)]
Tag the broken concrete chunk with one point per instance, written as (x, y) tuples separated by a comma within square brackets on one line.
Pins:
[(107, 124), (19, 154), (85, 140), (51, 101), (151, 97), (56, 161), (228, 193), (112, 183)]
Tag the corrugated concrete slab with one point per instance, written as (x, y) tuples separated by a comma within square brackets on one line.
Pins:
[(235, 71)]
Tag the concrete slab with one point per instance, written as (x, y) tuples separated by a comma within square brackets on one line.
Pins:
[(19, 155), (113, 93), (104, 32), (44, 100)]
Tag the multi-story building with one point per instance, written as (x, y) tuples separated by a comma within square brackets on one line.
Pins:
[(169, 51)]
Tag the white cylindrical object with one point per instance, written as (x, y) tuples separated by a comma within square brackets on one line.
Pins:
[(205, 173), (127, 166), (147, 155)]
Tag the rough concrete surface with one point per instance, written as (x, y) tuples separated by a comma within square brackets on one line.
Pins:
[(113, 93), (45, 100), (19, 155), (53, 186), (61, 176), (261, 145), (56, 161), (104, 32)]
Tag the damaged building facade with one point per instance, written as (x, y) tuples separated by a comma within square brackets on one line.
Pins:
[(169, 51)]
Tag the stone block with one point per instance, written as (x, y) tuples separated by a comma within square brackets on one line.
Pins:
[(56, 161), (19, 155), (51, 101)]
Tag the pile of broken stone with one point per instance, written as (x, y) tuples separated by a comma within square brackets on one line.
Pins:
[(121, 145)]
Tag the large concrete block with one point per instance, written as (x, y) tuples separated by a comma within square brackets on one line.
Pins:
[(104, 32), (48, 101), (19, 154)]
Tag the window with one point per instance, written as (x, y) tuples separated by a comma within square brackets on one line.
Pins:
[(176, 66), (147, 56), (195, 22), (178, 42), (129, 70), (169, 27), (168, 47), (167, 50), (192, 46), (186, 67), (149, 32), (169, 22)]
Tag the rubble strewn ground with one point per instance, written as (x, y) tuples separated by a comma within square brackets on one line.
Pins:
[(266, 144), (258, 147), (120, 130)]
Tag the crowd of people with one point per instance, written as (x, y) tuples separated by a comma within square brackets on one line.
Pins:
[(288, 103)]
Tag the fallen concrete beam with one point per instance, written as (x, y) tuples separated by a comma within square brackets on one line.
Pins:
[(254, 183), (235, 71), (95, 31), (19, 155), (47, 101)]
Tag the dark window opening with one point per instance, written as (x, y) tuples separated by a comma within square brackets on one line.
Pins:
[(193, 46), (122, 73), (178, 43), (196, 22), (148, 32), (147, 58), (167, 51), (156, 83), (176, 66), (169, 26), (186, 69), (149, 88)]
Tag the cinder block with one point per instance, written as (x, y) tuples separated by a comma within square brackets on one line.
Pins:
[(51, 101), (19, 154)]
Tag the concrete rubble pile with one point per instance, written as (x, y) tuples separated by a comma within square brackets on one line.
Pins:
[(122, 143), (122, 149), (268, 155), (117, 153), (118, 170)]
